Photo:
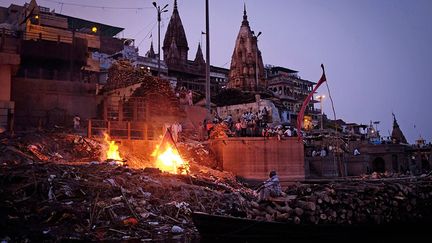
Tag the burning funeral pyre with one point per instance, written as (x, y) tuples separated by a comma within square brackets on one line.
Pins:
[(167, 157), (112, 151), (54, 199)]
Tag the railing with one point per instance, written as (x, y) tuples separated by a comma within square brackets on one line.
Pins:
[(47, 36), (124, 130), (60, 35)]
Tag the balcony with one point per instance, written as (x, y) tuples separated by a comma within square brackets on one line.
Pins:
[(34, 32)]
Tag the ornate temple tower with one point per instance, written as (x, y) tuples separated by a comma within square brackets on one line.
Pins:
[(151, 53), (175, 45), (246, 61)]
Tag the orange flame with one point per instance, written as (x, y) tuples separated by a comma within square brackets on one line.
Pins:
[(168, 158), (113, 150)]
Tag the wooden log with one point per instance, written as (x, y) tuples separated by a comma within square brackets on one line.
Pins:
[(298, 211), (257, 212), (269, 217), (323, 216), (254, 204), (282, 216), (286, 209), (270, 210), (313, 219), (306, 205)]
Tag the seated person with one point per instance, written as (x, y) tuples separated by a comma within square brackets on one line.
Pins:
[(270, 188)]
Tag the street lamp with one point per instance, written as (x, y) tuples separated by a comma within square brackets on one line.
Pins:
[(256, 60), (320, 98), (159, 11), (207, 90)]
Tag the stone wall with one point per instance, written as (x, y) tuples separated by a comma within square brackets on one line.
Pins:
[(380, 158), (253, 158), (53, 101)]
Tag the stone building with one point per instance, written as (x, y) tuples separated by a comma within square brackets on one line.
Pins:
[(51, 75), (188, 73), (291, 89), (9, 63), (247, 69), (374, 154)]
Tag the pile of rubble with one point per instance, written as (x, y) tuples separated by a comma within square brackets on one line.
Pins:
[(198, 153), (49, 200), (54, 147), (46, 201), (54, 187)]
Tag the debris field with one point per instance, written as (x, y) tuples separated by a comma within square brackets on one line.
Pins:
[(54, 187)]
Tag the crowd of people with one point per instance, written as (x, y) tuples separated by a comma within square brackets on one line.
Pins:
[(251, 124)]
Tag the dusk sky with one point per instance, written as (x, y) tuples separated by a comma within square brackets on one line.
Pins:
[(377, 53)]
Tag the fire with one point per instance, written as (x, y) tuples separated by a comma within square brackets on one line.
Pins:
[(113, 150), (167, 157)]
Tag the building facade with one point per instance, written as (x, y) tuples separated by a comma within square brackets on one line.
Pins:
[(292, 90), (55, 75), (188, 73)]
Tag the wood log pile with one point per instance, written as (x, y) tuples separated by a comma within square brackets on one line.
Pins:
[(160, 96), (122, 74), (357, 202), (153, 90)]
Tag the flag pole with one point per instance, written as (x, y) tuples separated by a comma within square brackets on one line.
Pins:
[(300, 115), (336, 157)]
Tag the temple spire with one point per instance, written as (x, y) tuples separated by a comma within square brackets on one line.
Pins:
[(247, 68), (150, 53), (397, 134), (175, 32), (199, 58), (245, 21)]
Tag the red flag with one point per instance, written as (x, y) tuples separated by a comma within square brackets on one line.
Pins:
[(300, 115)]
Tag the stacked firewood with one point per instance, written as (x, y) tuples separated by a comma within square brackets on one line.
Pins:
[(160, 98), (158, 92), (360, 202), (120, 74), (219, 131)]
